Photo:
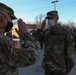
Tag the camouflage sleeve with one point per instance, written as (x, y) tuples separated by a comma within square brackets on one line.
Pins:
[(29, 52), (38, 34), (4, 48), (7, 64), (69, 52)]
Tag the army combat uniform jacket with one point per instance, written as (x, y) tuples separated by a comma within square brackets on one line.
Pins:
[(59, 48), (11, 59)]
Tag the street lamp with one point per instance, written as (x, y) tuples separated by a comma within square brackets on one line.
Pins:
[(54, 3)]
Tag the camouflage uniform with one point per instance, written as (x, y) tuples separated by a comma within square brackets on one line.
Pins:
[(59, 48), (73, 32), (11, 59)]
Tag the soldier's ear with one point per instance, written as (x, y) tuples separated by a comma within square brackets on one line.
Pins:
[(3, 19)]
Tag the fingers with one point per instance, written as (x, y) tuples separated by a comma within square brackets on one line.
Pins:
[(17, 31), (20, 23), (22, 26)]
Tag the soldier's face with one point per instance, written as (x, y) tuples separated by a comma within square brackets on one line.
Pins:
[(6, 21), (56, 19), (52, 20), (7, 16), (3, 20)]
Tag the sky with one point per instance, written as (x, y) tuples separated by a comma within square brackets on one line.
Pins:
[(29, 9)]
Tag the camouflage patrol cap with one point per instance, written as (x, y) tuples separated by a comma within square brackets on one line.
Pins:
[(7, 9), (52, 14)]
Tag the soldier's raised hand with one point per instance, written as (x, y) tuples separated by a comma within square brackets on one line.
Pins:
[(43, 24), (22, 27)]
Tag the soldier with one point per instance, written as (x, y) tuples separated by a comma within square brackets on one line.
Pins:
[(11, 58), (59, 46), (73, 32)]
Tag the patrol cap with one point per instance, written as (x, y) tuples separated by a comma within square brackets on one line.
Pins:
[(52, 14), (8, 10)]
